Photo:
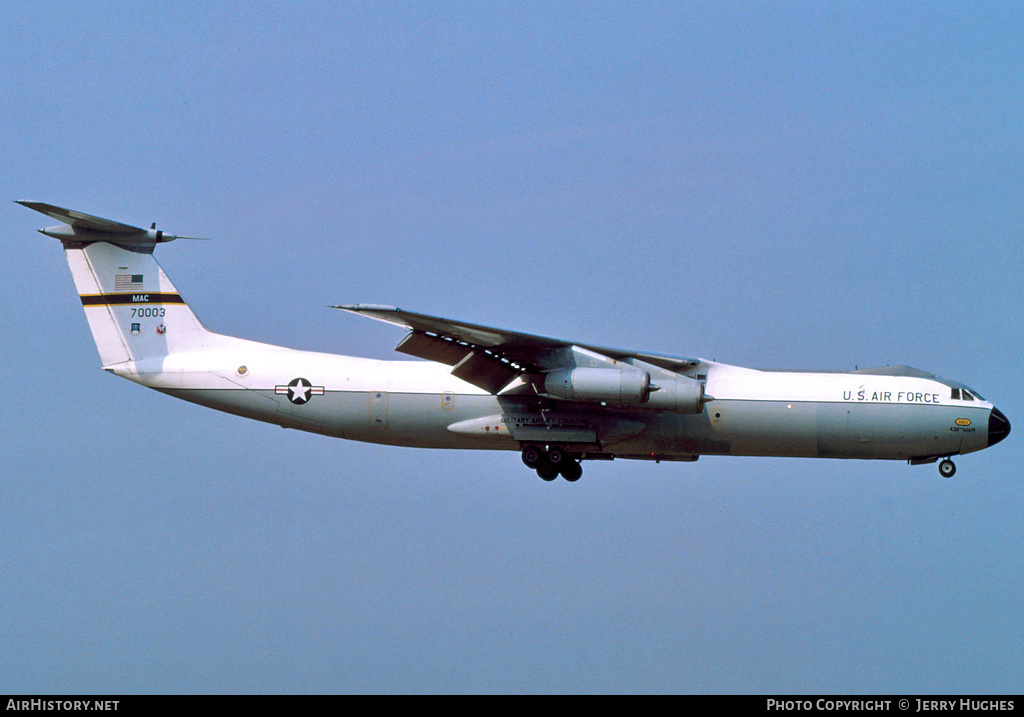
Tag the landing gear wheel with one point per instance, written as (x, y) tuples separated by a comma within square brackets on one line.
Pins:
[(533, 456), (556, 456), (947, 468), (571, 471), (547, 472)]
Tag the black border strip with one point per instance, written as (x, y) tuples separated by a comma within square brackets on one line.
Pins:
[(137, 297)]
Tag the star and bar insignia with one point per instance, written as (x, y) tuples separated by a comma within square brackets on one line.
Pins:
[(299, 391)]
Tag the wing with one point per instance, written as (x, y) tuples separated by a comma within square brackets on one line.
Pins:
[(493, 358)]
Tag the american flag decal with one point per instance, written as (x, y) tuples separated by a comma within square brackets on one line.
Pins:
[(128, 282)]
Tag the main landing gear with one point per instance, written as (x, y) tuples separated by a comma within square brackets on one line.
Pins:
[(552, 462)]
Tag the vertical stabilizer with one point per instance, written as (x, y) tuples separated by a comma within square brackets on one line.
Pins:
[(136, 315), (134, 311)]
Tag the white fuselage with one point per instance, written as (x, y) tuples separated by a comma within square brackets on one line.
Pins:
[(419, 403)]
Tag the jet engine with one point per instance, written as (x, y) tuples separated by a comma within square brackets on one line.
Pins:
[(680, 394), (630, 387), (626, 387)]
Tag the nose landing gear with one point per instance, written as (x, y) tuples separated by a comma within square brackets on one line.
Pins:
[(552, 462), (947, 468)]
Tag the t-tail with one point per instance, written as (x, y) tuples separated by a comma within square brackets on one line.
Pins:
[(136, 315)]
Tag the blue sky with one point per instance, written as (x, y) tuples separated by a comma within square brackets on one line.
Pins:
[(790, 185)]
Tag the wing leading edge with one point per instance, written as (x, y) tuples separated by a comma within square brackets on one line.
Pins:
[(491, 358)]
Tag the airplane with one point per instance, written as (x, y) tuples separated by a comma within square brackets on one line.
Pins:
[(556, 402)]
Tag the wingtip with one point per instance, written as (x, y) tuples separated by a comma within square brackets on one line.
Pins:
[(366, 307)]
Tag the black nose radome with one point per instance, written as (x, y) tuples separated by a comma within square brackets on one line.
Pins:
[(998, 427)]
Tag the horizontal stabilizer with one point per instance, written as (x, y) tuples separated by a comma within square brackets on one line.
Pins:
[(84, 228), (80, 220)]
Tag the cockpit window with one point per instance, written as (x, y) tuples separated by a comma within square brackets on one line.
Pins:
[(962, 394)]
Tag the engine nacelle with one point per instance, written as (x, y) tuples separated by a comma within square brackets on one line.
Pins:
[(679, 395), (629, 387)]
